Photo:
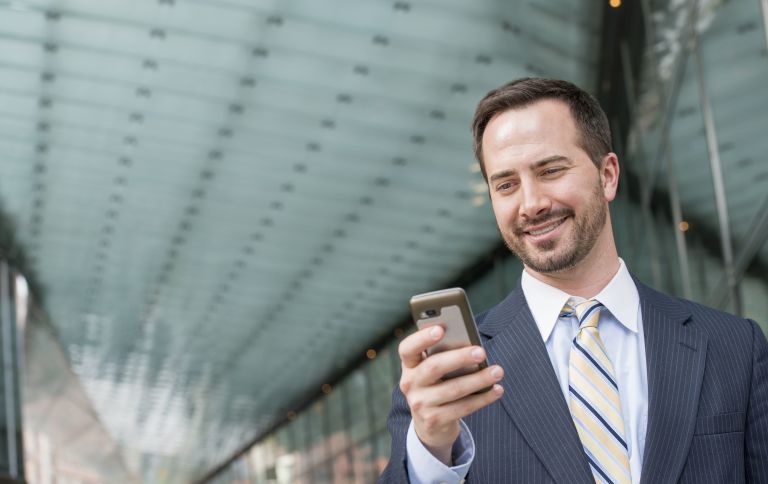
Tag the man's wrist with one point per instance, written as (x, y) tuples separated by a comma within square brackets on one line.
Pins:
[(443, 453), (424, 467)]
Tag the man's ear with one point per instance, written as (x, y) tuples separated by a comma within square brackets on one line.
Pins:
[(609, 176)]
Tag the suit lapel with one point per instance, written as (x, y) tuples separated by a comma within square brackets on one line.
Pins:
[(675, 356), (532, 397)]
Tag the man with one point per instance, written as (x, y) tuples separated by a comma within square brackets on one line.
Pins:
[(595, 377)]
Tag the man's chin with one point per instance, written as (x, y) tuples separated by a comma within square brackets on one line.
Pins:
[(549, 267), (551, 263)]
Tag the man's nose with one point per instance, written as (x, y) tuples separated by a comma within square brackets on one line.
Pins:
[(535, 201)]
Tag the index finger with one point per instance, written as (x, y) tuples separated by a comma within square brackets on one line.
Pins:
[(412, 347)]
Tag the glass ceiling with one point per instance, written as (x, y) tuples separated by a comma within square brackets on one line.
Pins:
[(226, 201)]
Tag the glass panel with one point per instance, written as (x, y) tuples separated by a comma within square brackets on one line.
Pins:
[(356, 388), (341, 467), (338, 436), (299, 430), (381, 457), (362, 462), (381, 384), (285, 463), (755, 292), (317, 437), (271, 455), (258, 463)]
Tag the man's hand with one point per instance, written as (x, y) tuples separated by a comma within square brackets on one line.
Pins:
[(436, 405)]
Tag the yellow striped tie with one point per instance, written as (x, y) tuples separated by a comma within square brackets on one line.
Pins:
[(594, 397)]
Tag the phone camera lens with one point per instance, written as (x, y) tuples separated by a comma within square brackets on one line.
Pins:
[(431, 312)]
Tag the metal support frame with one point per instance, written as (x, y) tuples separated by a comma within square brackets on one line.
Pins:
[(645, 175), (752, 245), (9, 370), (674, 193), (367, 370), (329, 457), (676, 84), (677, 219), (764, 10), (347, 418), (309, 473), (717, 176), (648, 176)]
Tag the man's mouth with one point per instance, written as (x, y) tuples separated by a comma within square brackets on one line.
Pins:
[(541, 230)]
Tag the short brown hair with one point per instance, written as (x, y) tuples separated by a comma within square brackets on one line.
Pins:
[(590, 119)]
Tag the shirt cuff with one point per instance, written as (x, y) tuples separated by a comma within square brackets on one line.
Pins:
[(424, 468)]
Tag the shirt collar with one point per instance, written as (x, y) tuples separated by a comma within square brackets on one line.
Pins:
[(619, 296)]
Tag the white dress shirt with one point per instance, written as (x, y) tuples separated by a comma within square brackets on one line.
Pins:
[(621, 329)]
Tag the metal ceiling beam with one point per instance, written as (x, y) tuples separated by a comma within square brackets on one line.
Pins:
[(717, 175)]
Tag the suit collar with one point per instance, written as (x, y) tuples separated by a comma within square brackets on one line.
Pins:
[(532, 396)]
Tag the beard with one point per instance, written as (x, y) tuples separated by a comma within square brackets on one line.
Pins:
[(545, 257)]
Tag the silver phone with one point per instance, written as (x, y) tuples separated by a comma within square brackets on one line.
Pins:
[(450, 309)]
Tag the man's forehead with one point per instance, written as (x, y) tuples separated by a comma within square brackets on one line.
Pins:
[(545, 117)]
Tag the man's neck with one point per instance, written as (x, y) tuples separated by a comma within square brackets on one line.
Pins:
[(589, 276)]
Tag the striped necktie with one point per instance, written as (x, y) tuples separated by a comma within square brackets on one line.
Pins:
[(594, 397)]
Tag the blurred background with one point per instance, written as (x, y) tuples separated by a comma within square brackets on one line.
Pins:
[(213, 212)]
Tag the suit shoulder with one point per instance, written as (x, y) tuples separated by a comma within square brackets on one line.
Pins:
[(711, 321), (718, 323)]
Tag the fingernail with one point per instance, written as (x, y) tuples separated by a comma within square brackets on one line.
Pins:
[(477, 354), (497, 372), (498, 389), (435, 332)]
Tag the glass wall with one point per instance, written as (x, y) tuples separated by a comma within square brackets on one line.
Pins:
[(341, 437), (64, 440)]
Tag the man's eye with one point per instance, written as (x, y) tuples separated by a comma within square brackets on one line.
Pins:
[(504, 186), (552, 171)]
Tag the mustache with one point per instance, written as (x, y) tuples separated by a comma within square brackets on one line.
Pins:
[(520, 229)]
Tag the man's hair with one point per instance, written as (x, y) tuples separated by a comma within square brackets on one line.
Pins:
[(590, 119)]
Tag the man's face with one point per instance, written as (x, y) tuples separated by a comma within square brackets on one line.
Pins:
[(547, 195)]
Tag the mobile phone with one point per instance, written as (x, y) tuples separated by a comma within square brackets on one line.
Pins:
[(450, 309)]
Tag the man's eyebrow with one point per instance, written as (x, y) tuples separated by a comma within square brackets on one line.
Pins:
[(501, 174), (550, 159), (537, 164)]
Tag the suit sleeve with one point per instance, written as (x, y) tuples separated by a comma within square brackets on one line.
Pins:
[(756, 435), (398, 421)]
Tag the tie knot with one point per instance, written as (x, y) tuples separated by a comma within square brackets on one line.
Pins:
[(586, 311)]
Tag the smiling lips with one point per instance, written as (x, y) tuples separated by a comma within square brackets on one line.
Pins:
[(542, 230)]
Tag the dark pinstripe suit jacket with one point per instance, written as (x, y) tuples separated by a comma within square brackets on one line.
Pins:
[(707, 409)]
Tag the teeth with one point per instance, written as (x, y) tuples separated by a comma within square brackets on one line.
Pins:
[(547, 229)]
